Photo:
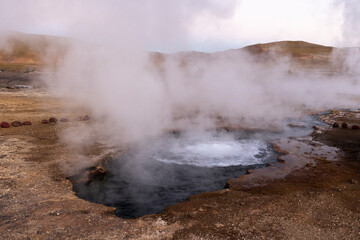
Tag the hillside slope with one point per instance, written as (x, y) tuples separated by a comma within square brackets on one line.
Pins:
[(19, 52), (24, 52)]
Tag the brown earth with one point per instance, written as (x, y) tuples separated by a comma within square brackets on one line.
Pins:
[(313, 192)]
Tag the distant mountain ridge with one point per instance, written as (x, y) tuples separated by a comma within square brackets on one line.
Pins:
[(31, 49)]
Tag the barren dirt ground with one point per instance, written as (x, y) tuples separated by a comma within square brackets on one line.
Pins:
[(312, 194)]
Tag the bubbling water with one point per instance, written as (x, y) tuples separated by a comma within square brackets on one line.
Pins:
[(214, 153)]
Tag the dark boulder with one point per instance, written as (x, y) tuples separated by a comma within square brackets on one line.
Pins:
[(53, 120), (5, 125), (64, 120), (27, 123), (44, 121), (16, 124), (86, 118), (335, 125), (355, 127), (344, 125)]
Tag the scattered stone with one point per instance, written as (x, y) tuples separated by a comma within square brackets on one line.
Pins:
[(335, 125), (344, 125), (308, 165), (80, 118), (64, 120), (249, 171), (16, 124), (27, 123), (355, 127), (316, 127), (44, 121), (281, 160), (297, 125), (268, 164), (97, 174), (53, 120), (5, 125), (354, 181), (86, 118), (175, 132)]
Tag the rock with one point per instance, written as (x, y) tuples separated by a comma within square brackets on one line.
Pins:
[(297, 125), (354, 127), (268, 164), (86, 118), (80, 118), (344, 125), (249, 171), (97, 174), (27, 123), (281, 160), (53, 120), (316, 127), (44, 121), (16, 124), (5, 125), (227, 184), (308, 165), (64, 120), (335, 125), (353, 181)]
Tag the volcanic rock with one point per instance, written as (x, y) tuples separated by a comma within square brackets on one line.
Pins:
[(16, 124), (53, 120), (335, 125), (97, 174), (344, 125), (64, 120), (297, 125), (27, 123), (5, 125), (355, 127), (249, 171), (44, 121), (353, 181), (86, 118)]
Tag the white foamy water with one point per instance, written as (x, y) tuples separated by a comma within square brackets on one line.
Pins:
[(215, 152)]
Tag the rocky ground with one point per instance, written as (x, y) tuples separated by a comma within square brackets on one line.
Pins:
[(313, 192)]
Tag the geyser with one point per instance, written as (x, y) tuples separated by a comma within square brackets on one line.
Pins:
[(161, 171)]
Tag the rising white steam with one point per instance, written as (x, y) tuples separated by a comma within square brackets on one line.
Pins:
[(137, 94)]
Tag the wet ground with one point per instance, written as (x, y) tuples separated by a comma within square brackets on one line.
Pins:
[(313, 192)]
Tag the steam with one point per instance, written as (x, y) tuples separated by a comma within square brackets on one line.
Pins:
[(136, 93)]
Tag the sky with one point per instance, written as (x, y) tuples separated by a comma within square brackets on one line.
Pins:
[(180, 25)]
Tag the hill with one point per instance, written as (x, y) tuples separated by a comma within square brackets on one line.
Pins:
[(26, 52)]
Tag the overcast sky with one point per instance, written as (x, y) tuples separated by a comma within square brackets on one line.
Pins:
[(176, 25)]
